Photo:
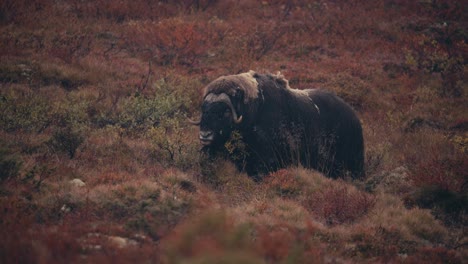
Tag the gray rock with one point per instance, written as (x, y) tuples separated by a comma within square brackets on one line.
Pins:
[(394, 181), (122, 242), (77, 183)]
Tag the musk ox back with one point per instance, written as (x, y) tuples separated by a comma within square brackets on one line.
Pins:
[(262, 125)]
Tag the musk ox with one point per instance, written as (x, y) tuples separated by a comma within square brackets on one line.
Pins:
[(263, 125)]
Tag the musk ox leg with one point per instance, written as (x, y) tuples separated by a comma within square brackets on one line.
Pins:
[(349, 158), (255, 170), (258, 166), (346, 166), (356, 164)]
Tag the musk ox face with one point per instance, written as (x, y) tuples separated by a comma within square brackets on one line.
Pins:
[(219, 118)]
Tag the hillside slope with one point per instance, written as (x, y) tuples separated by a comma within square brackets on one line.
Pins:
[(98, 163)]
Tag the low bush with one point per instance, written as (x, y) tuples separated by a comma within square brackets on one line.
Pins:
[(437, 50), (285, 183), (213, 236), (335, 203), (448, 172), (168, 100), (174, 144), (380, 242), (24, 111), (171, 41), (66, 140)]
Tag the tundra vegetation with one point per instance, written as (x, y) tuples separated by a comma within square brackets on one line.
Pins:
[(98, 163)]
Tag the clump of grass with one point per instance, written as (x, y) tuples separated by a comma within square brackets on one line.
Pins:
[(285, 183), (414, 224), (379, 242), (423, 225), (338, 203), (213, 236), (67, 77), (152, 207)]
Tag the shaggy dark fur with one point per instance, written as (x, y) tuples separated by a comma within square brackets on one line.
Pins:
[(280, 127)]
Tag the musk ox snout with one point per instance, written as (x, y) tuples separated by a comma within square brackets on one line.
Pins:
[(206, 137)]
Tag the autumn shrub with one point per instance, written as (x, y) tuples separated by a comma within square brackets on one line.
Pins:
[(337, 203), (120, 12), (39, 74), (421, 224), (285, 183), (71, 112), (447, 172), (352, 89), (374, 158), (171, 41), (67, 141), (70, 45), (174, 144), (139, 112), (211, 237), (236, 149), (34, 109), (413, 224), (380, 242), (142, 206), (437, 174), (24, 111), (69, 77), (215, 171), (436, 47)]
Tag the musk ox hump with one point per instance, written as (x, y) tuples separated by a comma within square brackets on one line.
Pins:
[(230, 84), (281, 80)]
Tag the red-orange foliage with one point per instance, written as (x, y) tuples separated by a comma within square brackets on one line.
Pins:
[(445, 171), (283, 242), (336, 203), (170, 41), (88, 61), (275, 243), (284, 183)]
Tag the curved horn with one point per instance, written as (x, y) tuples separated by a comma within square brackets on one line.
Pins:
[(224, 98), (192, 122), (236, 119)]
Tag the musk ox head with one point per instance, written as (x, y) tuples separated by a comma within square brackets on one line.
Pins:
[(223, 106)]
